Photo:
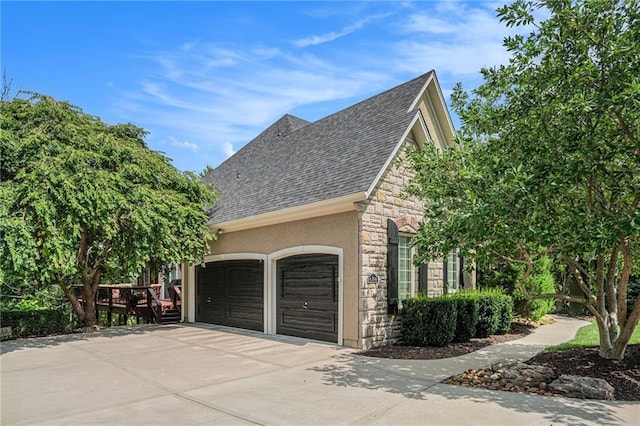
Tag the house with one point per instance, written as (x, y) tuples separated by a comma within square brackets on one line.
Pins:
[(313, 228)]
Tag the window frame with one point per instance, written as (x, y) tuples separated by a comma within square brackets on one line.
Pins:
[(457, 270), (413, 270)]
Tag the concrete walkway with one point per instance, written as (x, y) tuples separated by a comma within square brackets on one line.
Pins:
[(210, 375)]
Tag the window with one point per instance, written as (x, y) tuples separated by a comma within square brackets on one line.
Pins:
[(405, 269), (403, 279), (452, 271)]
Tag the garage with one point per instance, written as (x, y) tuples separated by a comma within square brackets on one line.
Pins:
[(307, 296), (231, 293)]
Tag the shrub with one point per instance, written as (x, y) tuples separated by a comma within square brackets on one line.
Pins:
[(36, 322), (466, 316), (428, 322), (505, 314), (412, 328), (441, 323), (540, 282), (505, 276), (488, 313)]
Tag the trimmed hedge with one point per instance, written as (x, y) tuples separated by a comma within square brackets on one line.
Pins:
[(505, 314), (428, 322), (36, 322), (455, 318), (488, 314), (467, 316)]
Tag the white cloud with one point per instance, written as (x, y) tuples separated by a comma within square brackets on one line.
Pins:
[(184, 144), (456, 39), (228, 150), (220, 95), (333, 35)]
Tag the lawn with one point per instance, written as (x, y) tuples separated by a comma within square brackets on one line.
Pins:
[(588, 336)]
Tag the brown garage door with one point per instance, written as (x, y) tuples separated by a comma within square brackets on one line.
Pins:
[(307, 296), (231, 293)]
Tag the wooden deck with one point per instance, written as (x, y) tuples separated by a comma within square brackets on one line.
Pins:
[(142, 302)]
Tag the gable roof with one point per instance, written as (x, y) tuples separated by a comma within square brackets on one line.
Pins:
[(295, 163)]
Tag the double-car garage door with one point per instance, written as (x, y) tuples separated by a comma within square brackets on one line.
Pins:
[(231, 292)]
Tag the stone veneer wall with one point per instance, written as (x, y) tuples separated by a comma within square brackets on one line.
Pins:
[(377, 328)]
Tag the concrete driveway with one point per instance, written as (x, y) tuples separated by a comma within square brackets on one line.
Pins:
[(189, 374)]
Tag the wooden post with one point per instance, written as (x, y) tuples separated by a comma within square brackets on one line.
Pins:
[(110, 311)]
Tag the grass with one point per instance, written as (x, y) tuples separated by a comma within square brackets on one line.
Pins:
[(587, 336)]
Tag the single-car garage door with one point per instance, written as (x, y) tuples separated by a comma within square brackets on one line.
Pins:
[(231, 293), (307, 296)]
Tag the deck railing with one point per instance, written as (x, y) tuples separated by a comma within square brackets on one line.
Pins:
[(175, 293), (125, 300)]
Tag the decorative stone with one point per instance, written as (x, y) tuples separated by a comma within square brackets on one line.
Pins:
[(6, 333), (582, 387)]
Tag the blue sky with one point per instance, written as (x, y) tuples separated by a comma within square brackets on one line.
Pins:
[(204, 78)]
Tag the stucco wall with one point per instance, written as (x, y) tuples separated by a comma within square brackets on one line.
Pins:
[(378, 328), (336, 230)]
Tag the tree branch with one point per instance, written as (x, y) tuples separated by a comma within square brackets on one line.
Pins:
[(575, 268), (623, 124), (627, 261)]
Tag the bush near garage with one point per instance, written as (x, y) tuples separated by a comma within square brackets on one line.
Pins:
[(455, 318), (428, 321), (505, 314), (36, 321), (467, 316), (489, 306)]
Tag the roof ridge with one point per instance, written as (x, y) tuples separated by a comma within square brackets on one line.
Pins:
[(374, 96)]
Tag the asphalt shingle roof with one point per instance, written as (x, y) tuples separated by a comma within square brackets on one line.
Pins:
[(294, 162)]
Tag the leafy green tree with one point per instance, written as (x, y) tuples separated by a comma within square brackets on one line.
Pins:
[(79, 198), (549, 156)]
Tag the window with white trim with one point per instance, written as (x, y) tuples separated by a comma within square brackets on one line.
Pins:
[(412, 280), (452, 268), (406, 270)]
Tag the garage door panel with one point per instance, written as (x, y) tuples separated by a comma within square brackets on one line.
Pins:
[(232, 293), (307, 296), (309, 320)]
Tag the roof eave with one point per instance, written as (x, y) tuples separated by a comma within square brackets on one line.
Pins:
[(307, 211), (433, 90)]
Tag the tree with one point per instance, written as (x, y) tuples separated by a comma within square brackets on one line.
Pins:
[(548, 157), (79, 198)]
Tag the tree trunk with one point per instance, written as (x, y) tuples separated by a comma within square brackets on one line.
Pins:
[(89, 306), (620, 345), (75, 304), (606, 339)]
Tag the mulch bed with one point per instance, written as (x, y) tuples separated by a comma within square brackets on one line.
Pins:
[(623, 375), (518, 330)]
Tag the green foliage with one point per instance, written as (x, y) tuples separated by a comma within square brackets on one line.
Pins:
[(505, 313), (29, 320), (467, 316), (80, 198), (500, 275), (489, 310), (428, 322), (540, 282), (18, 295), (413, 329), (547, 156), (455, 318), (506, 276)]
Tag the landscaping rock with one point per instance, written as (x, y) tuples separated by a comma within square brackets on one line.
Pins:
[(6, 333), (582, 387)]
